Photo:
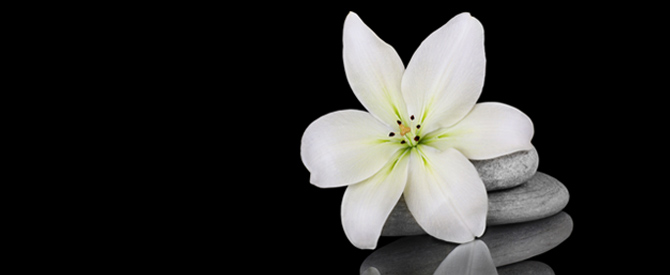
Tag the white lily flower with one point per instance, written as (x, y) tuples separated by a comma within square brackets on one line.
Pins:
[(422, 127)]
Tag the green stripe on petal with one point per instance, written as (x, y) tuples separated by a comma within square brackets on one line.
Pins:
[(445, 76), (445, 194), (345, 147), (490, 130), (367, 205), (374, 71)]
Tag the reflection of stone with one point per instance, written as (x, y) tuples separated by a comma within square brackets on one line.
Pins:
[(526, 267), (511, 243), (507, 244), (539, 197), (509, 170), (371, 271)]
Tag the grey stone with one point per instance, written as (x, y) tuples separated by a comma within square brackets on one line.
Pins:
[(509, 170), (539, 197), (400, 222), (508, 244)]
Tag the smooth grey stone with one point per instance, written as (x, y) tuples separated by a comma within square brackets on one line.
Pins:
[(400, 222), (508, 244), (509, 170), (526, 268), (539, 197)]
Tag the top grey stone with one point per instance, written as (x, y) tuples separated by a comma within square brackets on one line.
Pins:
[(507, 171)]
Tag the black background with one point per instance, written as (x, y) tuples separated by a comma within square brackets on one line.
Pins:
[(576, 71), (189, 119)]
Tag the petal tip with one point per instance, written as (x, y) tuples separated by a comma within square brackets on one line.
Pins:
[(367, 247), (467, 15), (361, 242), (351, 15)]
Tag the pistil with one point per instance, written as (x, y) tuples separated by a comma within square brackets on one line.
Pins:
[(404, 130)]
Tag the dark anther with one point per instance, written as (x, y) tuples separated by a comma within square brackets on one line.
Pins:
[(416, 138), (418, 126), (391, 134), (399, 122), (411, 117), (402, 142)]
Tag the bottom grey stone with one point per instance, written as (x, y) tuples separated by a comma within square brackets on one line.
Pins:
[(539, 197)]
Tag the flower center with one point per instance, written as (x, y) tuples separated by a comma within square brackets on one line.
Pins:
[(407, 134)]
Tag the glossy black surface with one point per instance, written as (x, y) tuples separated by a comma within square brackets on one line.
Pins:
[(505, 245)]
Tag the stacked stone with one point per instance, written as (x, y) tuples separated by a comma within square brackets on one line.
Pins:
[(522, 202)]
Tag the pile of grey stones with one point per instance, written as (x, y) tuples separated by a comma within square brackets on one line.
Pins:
[(525, 219)]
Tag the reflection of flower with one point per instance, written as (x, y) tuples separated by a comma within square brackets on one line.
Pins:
[(468, 258), (422, 127)]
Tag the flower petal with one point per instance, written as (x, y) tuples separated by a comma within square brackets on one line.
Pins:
[(374, 71), (445, 194), (468, 258), (445, 76), (345, 147), (367, 205), (490, 130)]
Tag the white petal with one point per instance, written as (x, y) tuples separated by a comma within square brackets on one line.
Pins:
[(445, 195), (345, 147), (374, 70), (490, 130), (473, 258), (367, 205), (445, 76)]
